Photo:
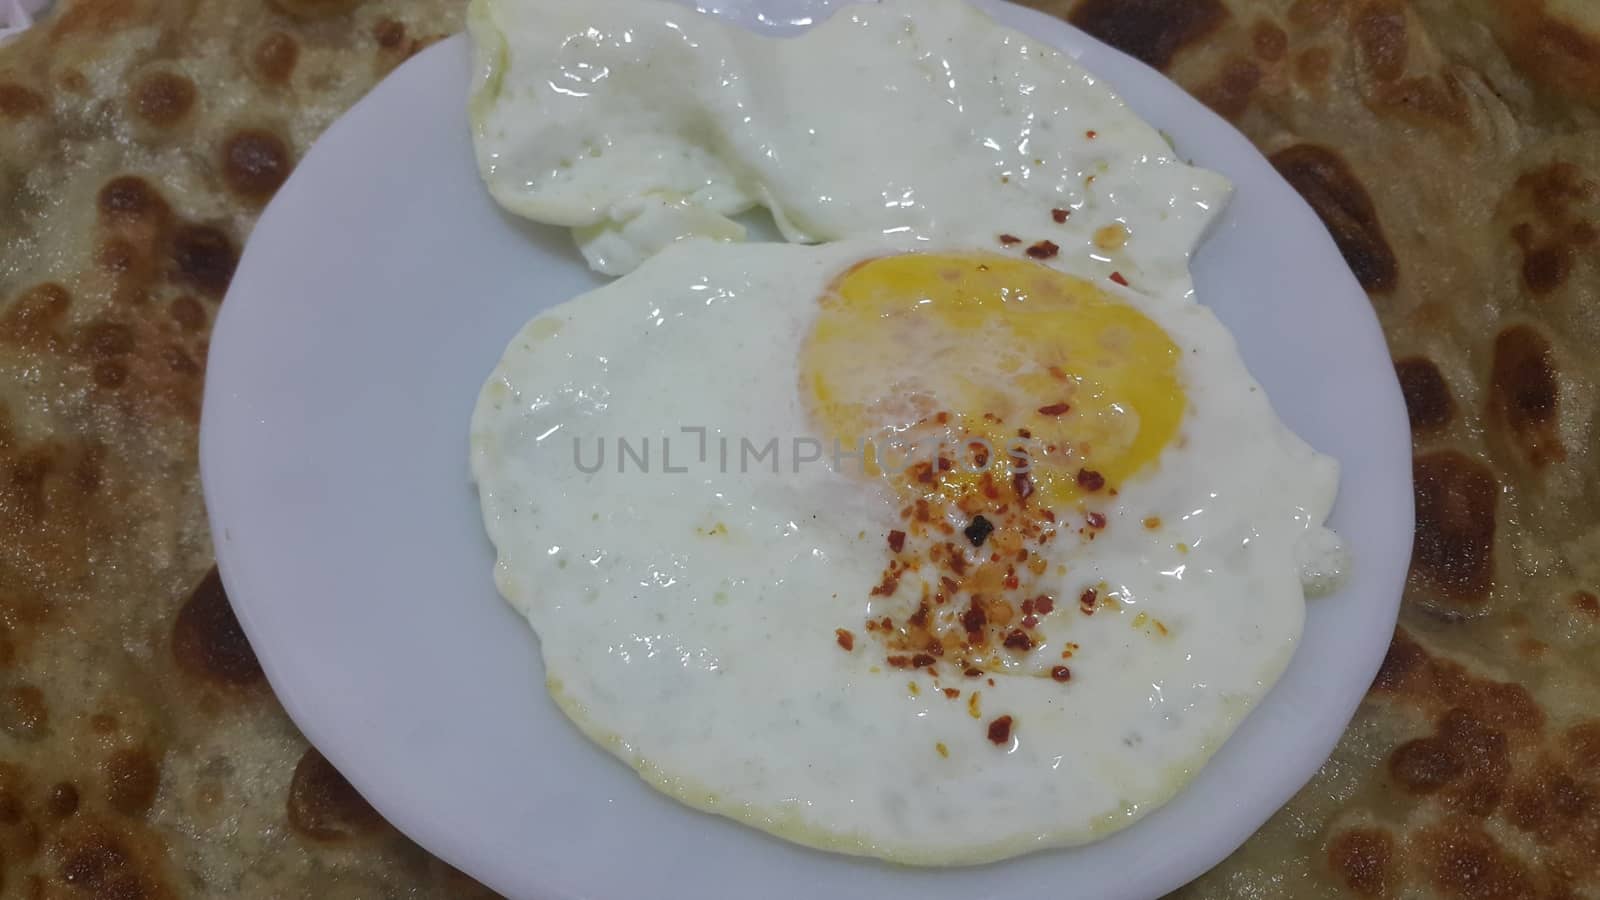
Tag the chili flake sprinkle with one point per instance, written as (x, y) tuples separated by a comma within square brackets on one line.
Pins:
[(1009, 239), (1044, 250), (1060, 215), (897, 540), (1117, 277), (1054, 409), (1090, 480), (1000, 730), (845, 638), (1061, 673)]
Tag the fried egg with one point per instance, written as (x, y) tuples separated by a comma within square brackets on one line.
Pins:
[(961, 534), (898, 548), (638, 123)]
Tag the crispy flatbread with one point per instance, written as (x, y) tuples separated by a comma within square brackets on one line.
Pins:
[(1452, 148)]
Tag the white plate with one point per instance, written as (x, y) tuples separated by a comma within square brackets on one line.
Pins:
[(373, 298)]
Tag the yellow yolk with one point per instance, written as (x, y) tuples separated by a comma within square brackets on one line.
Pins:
[(917, 356)]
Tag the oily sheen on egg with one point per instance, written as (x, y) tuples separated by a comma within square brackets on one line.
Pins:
[(769, 624), (641, 122)]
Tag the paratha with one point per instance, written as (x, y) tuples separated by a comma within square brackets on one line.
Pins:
[(1452, 148)]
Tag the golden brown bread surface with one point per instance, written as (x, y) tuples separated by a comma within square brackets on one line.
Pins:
[(1452, 147)]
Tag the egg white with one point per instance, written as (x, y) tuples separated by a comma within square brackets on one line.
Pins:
[(642, 122), (686, 618)]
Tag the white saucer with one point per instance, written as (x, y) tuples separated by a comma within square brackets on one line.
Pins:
[(376, 294)]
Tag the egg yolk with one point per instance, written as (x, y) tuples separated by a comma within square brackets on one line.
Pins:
[(983, 360)]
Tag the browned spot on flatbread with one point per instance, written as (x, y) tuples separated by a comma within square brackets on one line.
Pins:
[(1427, 395), (1525, 393), (1548, 231), (1311, 67), (203, 258), (61, 800), (1549, 803), (207, 638), (132, 777), (31, 321), (23, 714), (1268, 40), (1424, 765), (163, 98), (1461, 860), (254, 163), (129, 198), (323, 805), (1551, 49), (102, 861), (1411, 675), (1363, 860), (187, 312), (1456, 498), (1314, 14), (1339, 198), (275, 57), (1151, 30), (13, 785), (389, 34), (1230, 92), (315, 9), (92, 17), (18, 101), (1379, 28)]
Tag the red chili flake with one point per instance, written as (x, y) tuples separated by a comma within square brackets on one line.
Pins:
[(1117, 277), (1061, 673), (887, 587), (1090, 480), (942, 418), (1000, 730), (846, 639), (972, 673), (1023, 485), (887, 624), (973, 619), (1024, 433), (952, 693), (1017, 640), (897, 540), (1060, 215), (1009, 239), (1030, 621), (948, 585), (1027, 607), (1097, 520), (980, 454), (1043, 605), (921, 660), (1054, 409), (945, 464), (922, 511), (1044, 250), (1010, 582), (899, 662), (920, 617), (1086, 601), (991, 681), (1090, 134)]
